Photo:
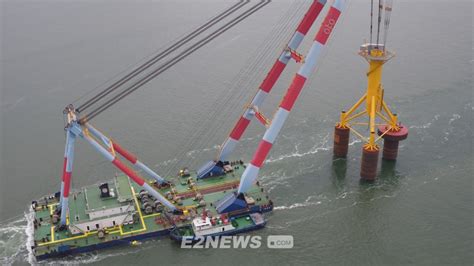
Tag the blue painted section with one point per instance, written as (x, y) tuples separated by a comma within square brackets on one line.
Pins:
[(230, 203), (98, 134), (76, 129), (139, 164), (99, 148), (64, 210), (62, 182), (311, 59), (248, 177), (159, 197), (210, 169), (70, 151), (205, 169), (150, 172), (60, 205), (70, 140)]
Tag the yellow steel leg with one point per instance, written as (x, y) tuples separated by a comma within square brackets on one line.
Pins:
[(371, 145), (345, 115)]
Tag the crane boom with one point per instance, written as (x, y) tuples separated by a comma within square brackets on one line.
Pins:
[(80, 127), (272, 77), (89, 133), (251, 172)]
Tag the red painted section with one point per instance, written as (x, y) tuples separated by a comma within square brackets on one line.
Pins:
[(239, 128), (272, 76), (393, 135), (328, 25), (310, 17), (126, 154), (67, 183), (129, 172), (261, 153), (293, 92), (64, 168)]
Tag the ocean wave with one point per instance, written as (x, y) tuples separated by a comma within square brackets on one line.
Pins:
[(454, 118), (426, 125), (321, 146), (12, 238), (88, 258), (12, 105), (306, 203), (30, 238)]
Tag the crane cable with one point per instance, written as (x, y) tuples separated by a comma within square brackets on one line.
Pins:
[(249, 79), (165, 66), (206, 127), (388, 12), (371, 19), (175, 60), (162, 54), (379, 20)]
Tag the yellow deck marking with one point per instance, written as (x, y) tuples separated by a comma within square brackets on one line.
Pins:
[(119, 230), (139, 214)]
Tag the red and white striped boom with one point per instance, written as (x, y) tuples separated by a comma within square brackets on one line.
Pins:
[(288, 101), (232, 140)]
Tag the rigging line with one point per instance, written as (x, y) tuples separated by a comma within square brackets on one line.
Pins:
[(379, 20), (175, 60), (371, 18), (165, 46), (388, 12), (236, 84), (222, 108), (162, 54), (261, 65), (134, 65), (207, 120), (256, 69)]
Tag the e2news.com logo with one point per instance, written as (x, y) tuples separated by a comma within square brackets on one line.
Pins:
[(280, 241), (239, 242)]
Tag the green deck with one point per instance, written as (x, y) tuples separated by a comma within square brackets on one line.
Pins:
[(47, 239)]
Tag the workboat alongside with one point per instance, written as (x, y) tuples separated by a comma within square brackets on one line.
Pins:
[(215, 226)]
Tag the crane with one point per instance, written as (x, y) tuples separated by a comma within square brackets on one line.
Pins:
[(78, 119), (234, 201), (252, 109)]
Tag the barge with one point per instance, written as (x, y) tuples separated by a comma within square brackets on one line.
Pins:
[(117, 213)]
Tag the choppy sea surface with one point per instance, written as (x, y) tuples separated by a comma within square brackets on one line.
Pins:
[(419, 211)]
